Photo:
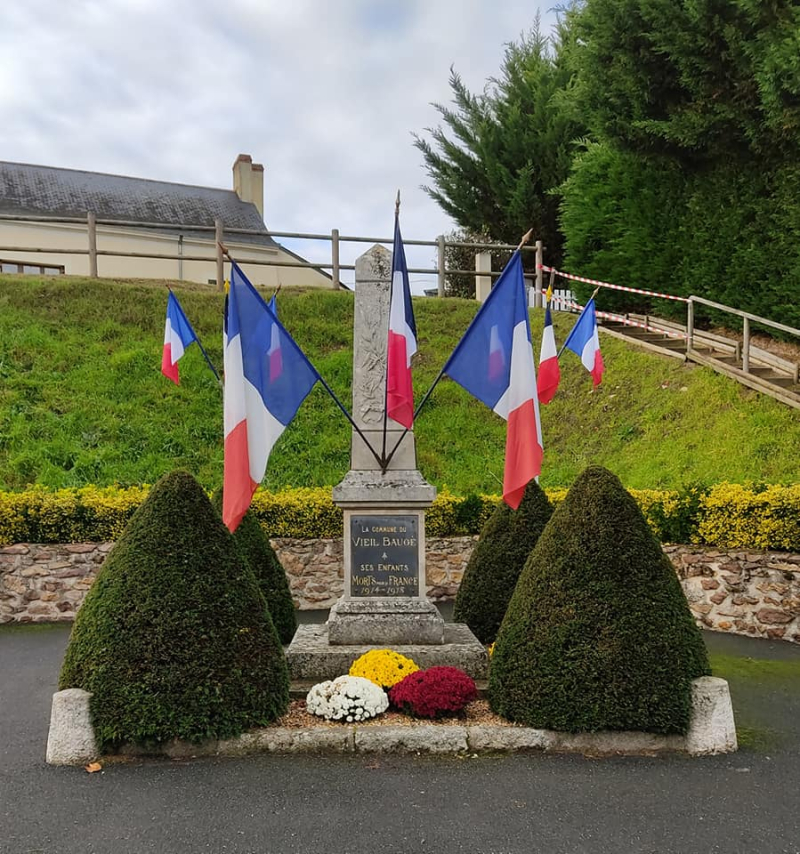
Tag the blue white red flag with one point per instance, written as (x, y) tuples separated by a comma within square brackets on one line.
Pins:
[(585, 342), (505, 383), (178, 335), (402, 342), (549, 372), (260, 401)]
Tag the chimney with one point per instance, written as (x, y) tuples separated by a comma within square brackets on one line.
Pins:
[(248, 181)]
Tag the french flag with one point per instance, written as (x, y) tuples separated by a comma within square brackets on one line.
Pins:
[(260, 401), (585, 342), (509, 388), (402, 339), (549, 372), (178, 335)]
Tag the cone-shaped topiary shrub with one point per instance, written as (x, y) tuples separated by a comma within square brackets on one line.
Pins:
[(598, 634), (174, 639), (494, 567), (256, 548)]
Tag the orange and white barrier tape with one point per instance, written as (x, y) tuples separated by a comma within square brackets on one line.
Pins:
[(609, 285)]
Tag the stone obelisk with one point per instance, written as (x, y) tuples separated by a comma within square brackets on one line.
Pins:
[(384, 599)]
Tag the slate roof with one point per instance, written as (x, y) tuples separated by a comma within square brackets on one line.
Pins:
[(50, 191)]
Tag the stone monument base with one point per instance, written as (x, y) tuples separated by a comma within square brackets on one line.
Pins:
[(389, 622), (311, 657)]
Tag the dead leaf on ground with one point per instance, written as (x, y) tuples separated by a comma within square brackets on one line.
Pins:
[(92, 767)]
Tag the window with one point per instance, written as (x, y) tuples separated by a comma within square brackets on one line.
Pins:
[(31, 269)]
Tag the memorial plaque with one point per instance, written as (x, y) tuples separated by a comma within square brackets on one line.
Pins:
[(384, 556)]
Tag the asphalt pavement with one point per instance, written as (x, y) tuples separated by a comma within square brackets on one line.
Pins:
[(745, 802)]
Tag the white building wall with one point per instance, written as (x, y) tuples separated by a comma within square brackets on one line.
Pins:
[(60, 236)]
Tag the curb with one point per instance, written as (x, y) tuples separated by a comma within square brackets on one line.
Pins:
[(712, 731)]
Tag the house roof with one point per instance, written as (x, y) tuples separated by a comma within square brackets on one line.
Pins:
[(52, 192)]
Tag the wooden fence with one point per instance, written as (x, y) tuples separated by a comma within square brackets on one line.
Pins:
[(218, 233)]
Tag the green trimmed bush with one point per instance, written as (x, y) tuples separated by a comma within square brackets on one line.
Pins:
[(256, 549), (174, 639), (598, 634), (495, 565)]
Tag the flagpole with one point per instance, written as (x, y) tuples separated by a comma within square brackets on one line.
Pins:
[(416, 413), (328, 389), (564, 345), (349, 417)]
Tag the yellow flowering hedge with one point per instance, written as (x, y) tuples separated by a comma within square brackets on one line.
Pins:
[(727, 515), (89, 514), (733, 516), (384, 667)]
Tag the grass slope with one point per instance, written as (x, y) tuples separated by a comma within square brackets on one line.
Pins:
[(82, 400)]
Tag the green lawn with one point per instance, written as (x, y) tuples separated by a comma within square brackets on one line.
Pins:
[(82, 400)]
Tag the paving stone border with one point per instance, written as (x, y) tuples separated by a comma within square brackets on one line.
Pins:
[(712, 731)]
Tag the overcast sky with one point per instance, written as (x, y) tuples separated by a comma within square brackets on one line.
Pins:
[(325, 94)]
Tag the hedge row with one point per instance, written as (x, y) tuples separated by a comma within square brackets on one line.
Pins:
[(727, 515)]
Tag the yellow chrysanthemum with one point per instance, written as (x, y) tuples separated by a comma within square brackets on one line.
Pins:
[(384, 667)]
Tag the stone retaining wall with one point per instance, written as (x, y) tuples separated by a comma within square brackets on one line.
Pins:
[(744, 592)]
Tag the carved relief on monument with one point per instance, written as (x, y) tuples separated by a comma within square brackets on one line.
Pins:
[(369, 376)]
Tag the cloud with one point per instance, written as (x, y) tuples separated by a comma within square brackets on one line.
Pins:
[(326, 95)]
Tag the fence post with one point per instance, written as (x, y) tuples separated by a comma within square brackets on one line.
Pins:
[(537, 288), (335, 258), (746, 346), (483, 283), (218, 239), (690, 326), (91, 221), (440, 266)]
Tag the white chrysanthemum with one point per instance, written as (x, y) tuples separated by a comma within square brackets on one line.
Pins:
[(349, 698)]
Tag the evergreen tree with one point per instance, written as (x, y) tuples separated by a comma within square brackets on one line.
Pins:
[(174, 639), (256, 549), (692, 78), (598, 634), (497, 561), (497, 159)]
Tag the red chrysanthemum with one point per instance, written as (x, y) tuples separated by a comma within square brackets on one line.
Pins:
[(433, 693)]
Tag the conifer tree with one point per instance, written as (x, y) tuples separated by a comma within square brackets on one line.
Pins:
[(174, 639), (497, 561), (256, 549), (598, 634)]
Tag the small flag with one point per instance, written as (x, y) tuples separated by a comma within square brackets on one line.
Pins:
[(585, 342), (259, 403), (178, 335), (549, 372), (402, 342), (502, 326)]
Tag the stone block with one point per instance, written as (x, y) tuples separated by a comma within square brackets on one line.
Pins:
[(390, 623), (338, 739), (71, 740), (498, 737), (411, 739), (773, 615), (712, 729), (311, 658)]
